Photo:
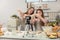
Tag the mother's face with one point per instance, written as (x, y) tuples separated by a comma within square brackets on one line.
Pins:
[(30, 11), (39, 12)]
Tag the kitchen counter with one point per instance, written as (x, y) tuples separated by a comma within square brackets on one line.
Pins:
[(24, 35)]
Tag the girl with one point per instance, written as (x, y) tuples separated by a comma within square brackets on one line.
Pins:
[(29, 12), (39, 19)]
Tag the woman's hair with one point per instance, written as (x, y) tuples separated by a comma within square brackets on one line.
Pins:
[(41, 15), (41, 11), (29, 9)]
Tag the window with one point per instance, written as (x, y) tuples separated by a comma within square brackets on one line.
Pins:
[(32, 0), (49, 0)]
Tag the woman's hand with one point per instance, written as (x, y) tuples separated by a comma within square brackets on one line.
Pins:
[(41, 18), (32, 19), (20, 12)]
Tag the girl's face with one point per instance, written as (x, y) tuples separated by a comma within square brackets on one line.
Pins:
[(30, 11), (39, 12)]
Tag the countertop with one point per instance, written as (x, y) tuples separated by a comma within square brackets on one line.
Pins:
[(24, 35)]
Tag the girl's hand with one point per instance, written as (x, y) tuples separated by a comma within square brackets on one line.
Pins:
[(21, 14), (38, 16), (19, 10), (32, 19)]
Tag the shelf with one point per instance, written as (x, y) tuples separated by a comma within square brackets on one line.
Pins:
[(46, 9)]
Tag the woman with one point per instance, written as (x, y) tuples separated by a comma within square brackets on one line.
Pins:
[(39, 19), (29, 12)]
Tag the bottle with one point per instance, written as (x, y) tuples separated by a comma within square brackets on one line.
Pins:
[(1, 32)]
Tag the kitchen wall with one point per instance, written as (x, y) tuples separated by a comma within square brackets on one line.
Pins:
[(53, 8), (10, 7)]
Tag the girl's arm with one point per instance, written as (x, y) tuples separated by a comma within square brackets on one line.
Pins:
[(21, 14), (42, 19), (33, 19)]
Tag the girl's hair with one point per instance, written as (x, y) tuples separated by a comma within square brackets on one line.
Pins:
[(29, 9), (41, 11), (41, 15)]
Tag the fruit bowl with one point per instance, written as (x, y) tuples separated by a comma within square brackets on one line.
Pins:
[(51, 35)]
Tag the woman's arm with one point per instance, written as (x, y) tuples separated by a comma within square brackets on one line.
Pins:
[(42, 19), (21, 14), (33, 19)]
